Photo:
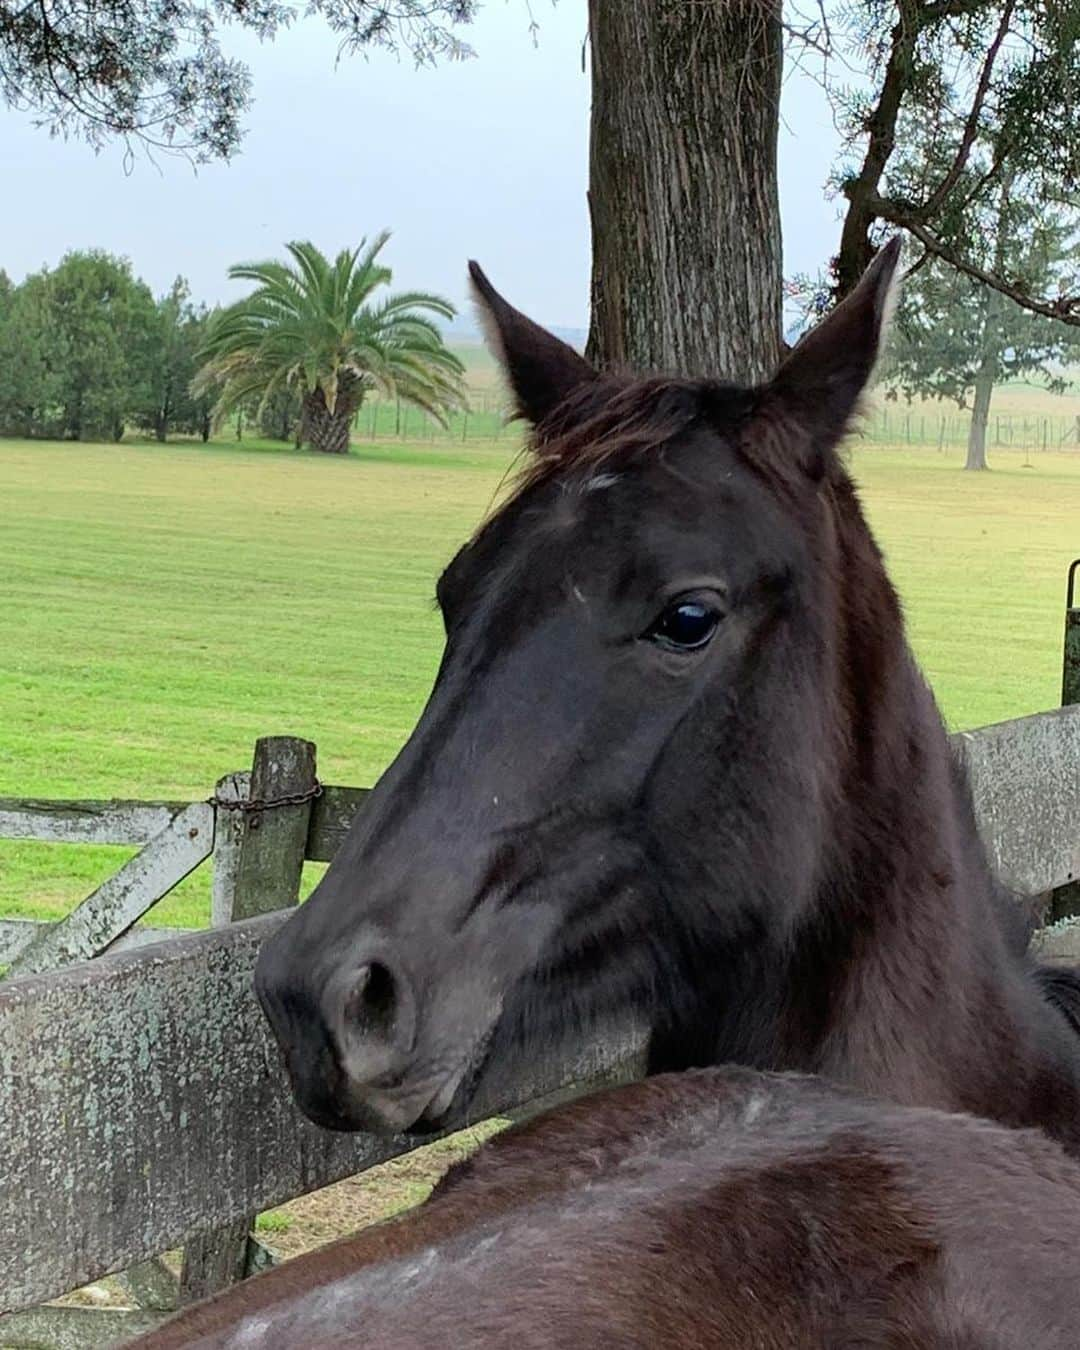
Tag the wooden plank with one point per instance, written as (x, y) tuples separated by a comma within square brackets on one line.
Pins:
[(70, 1328), (125, 896), (78, 822), (152, 1285), (229, 831), (1059, 944), (260, 1257), (17, 934), (1025, 777), (142, 1099), (331, 816), (334, 811), (214, 1260)]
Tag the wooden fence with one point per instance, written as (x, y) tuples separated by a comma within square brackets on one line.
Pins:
[(143, 1106)]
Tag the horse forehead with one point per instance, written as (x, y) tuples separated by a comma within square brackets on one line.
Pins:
[(665, 506), (684, 483), (670, 508)]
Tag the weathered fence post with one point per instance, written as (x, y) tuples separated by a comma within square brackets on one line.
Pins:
[(260, 838), (262, 821)]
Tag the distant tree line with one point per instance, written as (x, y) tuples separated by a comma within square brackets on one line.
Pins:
[(88, 351)]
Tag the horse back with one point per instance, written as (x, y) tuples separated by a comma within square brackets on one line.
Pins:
[(717, 1209)]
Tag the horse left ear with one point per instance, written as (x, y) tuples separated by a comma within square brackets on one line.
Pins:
[(820, 382), (542, 370)]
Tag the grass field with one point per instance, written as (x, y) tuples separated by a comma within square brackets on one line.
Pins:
[(163, 606)]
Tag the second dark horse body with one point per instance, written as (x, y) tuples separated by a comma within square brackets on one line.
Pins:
[(714, 1210), (679, 763)]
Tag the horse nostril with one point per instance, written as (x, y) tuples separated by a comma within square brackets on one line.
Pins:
[(370, 1011), (370, 1003)]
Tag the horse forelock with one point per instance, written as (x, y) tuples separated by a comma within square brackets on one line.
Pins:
[(608, 426)]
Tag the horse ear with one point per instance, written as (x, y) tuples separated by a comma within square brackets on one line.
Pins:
[(820, 382), (542, 371)]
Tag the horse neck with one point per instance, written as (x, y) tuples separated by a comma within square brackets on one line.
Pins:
[(909, 936)]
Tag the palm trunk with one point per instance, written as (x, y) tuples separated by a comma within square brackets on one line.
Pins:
[(682, 186), (328, 430)]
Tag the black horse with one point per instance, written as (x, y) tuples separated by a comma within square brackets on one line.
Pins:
[(678, 761), (711, 1210)]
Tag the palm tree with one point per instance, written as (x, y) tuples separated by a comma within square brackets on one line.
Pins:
[(312, 326)]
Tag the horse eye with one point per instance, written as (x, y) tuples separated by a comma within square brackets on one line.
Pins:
[(684, 626)]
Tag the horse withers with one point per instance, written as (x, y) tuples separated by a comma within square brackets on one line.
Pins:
[(709, 1210), (678, 764)]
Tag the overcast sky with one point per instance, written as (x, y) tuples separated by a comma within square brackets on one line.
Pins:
[(486, 158)]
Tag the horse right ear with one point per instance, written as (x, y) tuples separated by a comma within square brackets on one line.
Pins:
[(541, 370), (819, 385)]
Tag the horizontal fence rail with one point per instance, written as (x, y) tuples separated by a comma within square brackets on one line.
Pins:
[(331, 816), (77, 822), (1025, 780), (142, 1101), (16, 935)]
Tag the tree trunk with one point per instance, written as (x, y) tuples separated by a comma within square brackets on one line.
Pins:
[(683, 186), (992, 340), (73, 419), (980, 414), (329, 429), (325, 430)]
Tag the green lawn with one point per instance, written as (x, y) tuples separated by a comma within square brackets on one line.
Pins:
[(163, 606)]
